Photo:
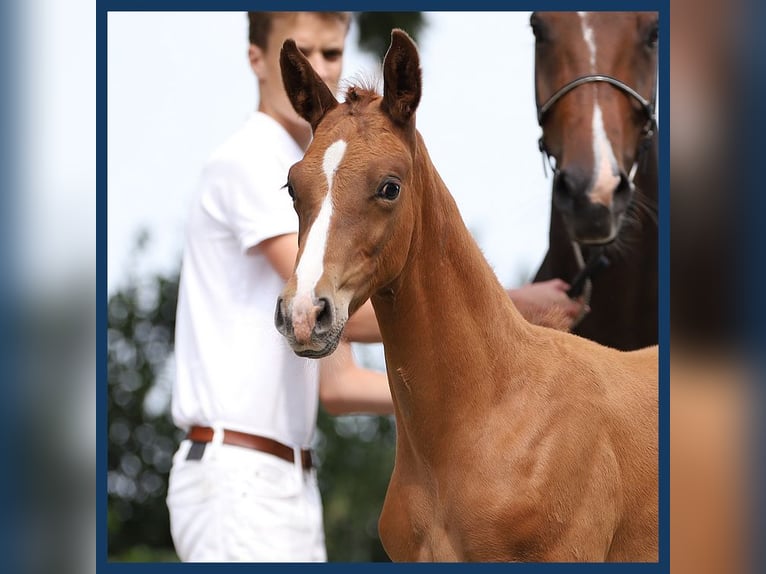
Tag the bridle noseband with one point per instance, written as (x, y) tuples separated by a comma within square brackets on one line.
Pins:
[(648, 106)]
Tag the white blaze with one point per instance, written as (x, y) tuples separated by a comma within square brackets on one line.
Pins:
[(605, 178), (311, 265), (587, 33)]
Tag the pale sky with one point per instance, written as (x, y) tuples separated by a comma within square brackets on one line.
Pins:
[(179, 84)]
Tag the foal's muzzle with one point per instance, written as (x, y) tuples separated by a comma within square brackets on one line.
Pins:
[(309, 327)]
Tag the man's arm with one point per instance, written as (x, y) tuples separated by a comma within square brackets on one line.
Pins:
[(345, 388), (362, 326), (281, 252)]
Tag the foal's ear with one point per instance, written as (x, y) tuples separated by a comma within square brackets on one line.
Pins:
[(308, 94), (402, 80)]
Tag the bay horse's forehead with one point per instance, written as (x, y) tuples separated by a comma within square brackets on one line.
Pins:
[(570, 44), (608, 27), (614, 29)]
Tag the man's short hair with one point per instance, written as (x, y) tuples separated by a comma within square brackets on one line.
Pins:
[(261, 22)]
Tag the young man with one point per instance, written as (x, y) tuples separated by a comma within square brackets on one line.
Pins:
[(242, 486)]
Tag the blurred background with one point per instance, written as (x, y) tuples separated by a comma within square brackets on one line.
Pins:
[(48, 321), (717, 281), (186, 86)]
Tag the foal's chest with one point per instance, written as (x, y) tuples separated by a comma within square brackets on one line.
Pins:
[(422, 524)]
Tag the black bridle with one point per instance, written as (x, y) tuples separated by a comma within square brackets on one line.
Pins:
[(648, 106)]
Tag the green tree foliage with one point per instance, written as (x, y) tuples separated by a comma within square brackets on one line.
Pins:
[(375, 29), (355, 454), (141, 436)]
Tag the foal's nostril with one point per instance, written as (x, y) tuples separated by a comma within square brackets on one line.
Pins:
[(324, 316), (279, 316)]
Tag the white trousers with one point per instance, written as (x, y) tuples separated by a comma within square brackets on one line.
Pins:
[(240, 505)]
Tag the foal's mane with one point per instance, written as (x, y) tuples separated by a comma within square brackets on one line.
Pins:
[(362, 86), (358, 97)]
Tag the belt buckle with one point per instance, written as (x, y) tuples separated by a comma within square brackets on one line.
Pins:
[(298, 458)]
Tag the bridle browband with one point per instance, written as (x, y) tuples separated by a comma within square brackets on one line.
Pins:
[(648, 106)]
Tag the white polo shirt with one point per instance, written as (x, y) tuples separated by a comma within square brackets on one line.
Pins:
[(233, 368)]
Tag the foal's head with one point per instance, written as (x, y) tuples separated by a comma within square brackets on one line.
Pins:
[(353, 193), (593, 126)]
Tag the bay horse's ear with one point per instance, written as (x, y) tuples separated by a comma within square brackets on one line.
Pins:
[(308, 94), (402, 81)]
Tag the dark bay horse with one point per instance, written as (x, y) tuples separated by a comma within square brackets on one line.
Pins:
[(595, 80), (514, 442)]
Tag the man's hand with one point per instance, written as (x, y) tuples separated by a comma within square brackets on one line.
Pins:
[(546, 303)]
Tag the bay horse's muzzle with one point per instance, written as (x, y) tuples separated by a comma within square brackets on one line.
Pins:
[(590, 218)]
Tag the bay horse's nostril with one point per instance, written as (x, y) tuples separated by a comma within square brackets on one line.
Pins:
[(622, 193), (568, 186), (570, 183), (324, 320)]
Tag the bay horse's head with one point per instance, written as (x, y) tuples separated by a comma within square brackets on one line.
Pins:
[(595, 79), (352, 192)]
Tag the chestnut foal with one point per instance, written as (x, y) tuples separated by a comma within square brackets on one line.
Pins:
[(514, 442)]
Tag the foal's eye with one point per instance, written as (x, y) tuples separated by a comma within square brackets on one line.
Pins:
[(389, 190), (290, 190)]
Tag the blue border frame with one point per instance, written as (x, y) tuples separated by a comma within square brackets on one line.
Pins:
[(664, 286), (12, 347), (751, 256), (105, 6)]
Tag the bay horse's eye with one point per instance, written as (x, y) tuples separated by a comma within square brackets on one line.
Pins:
[(653, 36), (389, 191), (290, 190), (538, 27)]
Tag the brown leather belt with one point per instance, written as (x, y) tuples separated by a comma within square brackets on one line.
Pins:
[(259, 443)]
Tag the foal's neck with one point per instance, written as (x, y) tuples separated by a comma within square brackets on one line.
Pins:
[(449, 328)]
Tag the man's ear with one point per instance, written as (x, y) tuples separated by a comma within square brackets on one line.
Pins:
[(308, 93), (256, 56)]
